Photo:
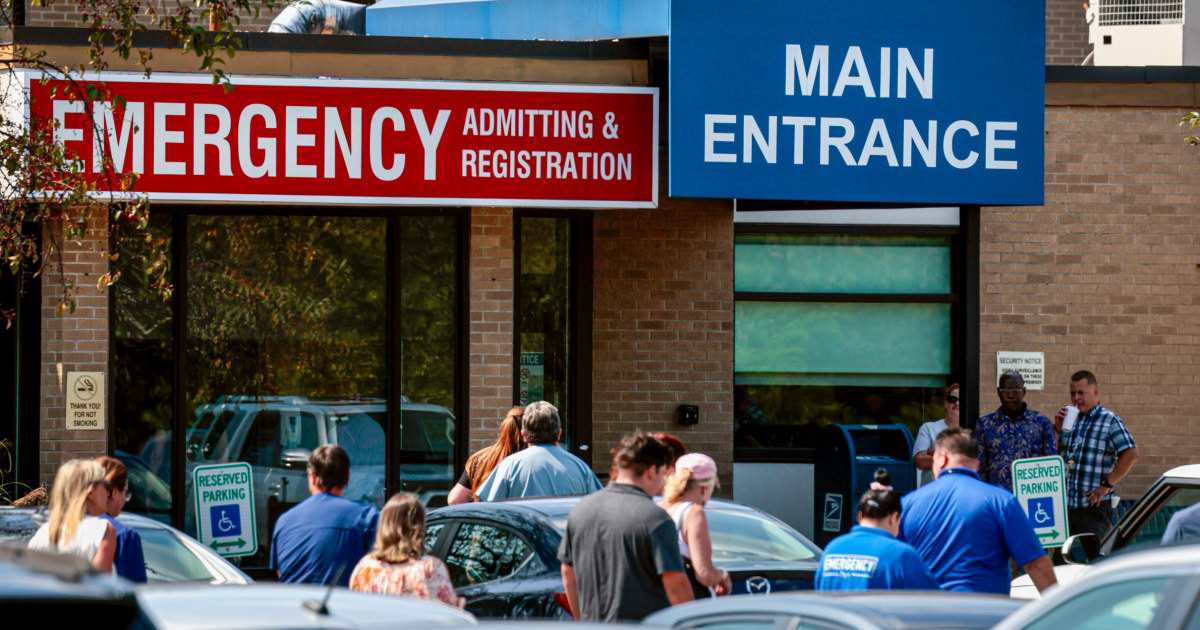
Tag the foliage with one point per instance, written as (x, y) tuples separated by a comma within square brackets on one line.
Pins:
[(9, 490), (41, 184), (1192, 120)]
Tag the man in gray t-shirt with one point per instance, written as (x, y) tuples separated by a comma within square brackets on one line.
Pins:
[(620, 555)]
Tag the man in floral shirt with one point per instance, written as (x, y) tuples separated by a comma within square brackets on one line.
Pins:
[(1012, 432)]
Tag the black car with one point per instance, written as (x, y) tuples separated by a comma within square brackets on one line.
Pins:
[(61, 591), (502, 556)]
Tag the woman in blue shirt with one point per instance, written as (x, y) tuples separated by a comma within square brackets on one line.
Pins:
[(128, 562), (870, 557)]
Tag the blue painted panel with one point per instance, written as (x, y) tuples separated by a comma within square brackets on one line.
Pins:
[(561, 20), (730, 76)]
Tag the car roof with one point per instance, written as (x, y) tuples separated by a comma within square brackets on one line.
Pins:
[(1185, 556), (1189, 471), (265, 606), (895, 609), (557, 508), (26, 573)]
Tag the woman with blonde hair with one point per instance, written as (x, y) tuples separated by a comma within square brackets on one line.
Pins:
[(687, 491), (482, 463), (397, 564), (78, 497)]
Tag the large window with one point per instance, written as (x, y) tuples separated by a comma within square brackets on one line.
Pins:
[(287, 332), (846, 328)]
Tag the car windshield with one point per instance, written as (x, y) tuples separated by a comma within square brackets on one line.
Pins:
[(745, 536), (360, 434), (169, 560)]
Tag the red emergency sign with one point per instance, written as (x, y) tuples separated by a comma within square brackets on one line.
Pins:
[(336, 141)]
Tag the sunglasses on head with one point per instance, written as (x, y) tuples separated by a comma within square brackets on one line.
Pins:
[(952, 400)]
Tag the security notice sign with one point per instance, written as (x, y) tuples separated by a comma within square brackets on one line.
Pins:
[(1030, 365), (1039, 484), (225, 508), (85, 400)]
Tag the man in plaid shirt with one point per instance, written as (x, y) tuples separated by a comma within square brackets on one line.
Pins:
[(1099, 452)]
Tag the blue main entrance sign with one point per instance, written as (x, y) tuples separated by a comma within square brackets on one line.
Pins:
[(906, 101)]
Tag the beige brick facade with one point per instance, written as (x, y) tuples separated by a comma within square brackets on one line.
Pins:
[(75, 342), (491, 327), (664, 326), (1066, 33), (1105, 276), (62, 13)]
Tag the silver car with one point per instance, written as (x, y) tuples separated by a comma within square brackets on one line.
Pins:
[(1144, 589), (171, 555), (291, 606)]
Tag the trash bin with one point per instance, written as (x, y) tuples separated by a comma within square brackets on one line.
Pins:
[(847, 458)]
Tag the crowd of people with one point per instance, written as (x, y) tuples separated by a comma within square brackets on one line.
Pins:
[(623, 556)]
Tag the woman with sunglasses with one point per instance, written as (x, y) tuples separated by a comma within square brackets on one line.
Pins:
[(77, 499), (129, 561), (927, 435)]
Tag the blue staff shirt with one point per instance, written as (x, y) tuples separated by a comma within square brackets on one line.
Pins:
[(318, 536), (869, 558), (965, 530), (129, 562), (542, 470)]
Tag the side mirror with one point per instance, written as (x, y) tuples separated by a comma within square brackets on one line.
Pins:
[(1081, 549), (295, 458)]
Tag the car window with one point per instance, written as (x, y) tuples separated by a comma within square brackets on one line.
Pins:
[(431, 535), (1127, 605), (747, 536), (149, 493), (169, 560), (362, 436), (482, 553), (216, 440), (1151, 531)]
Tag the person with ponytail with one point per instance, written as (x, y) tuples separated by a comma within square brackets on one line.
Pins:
[(397, 564), (870, 557), (480, 465), (686, 493), (77, 499)]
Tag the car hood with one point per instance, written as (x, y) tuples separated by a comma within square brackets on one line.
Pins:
[(768, 567), (1023, 588)]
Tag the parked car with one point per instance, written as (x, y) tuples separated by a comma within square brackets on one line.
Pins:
[(1147, 589), (149, 494), (171, 555), (276, 435), (60, 591), (289, 606), (878, 610), (503, 555), (1139, 527)]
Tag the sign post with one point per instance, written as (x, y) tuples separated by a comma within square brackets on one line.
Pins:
[(225, 508), (1040, 486)]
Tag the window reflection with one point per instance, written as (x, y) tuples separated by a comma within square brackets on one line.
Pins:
[(286, 339), (545, 314)]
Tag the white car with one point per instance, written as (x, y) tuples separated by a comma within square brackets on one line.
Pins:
[(1140, 527)]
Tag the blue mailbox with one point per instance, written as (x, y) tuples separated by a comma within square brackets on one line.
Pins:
[(847, 458)]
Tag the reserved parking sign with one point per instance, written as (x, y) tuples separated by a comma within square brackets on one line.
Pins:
[(1039, 484), (225, 508)]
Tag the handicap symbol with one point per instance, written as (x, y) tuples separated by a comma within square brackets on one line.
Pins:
[(1041, 512), (225, 520)]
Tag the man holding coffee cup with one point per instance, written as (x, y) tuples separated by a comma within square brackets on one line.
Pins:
[(1099, 452)]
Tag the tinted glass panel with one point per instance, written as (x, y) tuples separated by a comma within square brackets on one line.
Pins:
[(1150, 534), (143, 366), (841, 263), (775, 339), (545, 313), (286, 344), (482, 553), (168, 560), (428, 329)]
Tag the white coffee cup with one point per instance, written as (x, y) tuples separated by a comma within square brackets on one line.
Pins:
[(1069, 419)]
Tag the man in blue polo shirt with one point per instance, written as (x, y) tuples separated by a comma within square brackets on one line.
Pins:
[(325, 534), (966, 529), (870, 557)]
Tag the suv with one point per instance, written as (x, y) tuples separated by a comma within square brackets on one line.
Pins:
[(277, 435), (1138, 527)]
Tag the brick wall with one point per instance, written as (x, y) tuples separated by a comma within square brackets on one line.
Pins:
[(1105, 277), (60, 13), (1066, 33), (73, 342), (491, 327), (663, 326)]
